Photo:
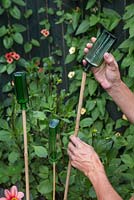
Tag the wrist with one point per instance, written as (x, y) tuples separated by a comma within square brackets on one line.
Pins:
[(96, 174), (115, 87), (96, 170)]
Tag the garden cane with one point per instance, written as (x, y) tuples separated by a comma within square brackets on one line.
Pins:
[(76, 129), (94, 59), (22, 98), (53, 129)]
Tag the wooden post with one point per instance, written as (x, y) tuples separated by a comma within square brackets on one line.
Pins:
[(76, 129), (25, 154)]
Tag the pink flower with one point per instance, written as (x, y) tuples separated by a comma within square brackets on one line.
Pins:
[(11, 56), (9, 60), (40, 70), (15, 55), (45, 32), (12, 194), (8, 55)]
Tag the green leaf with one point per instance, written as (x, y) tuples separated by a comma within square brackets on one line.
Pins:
[(87, 122), (6, 3), (45, 187), (94, 20), (109, 19), (22, 62), (4, 124), (50, 11), (27, 47), (7, 42), (131, 71), (19, 2), (127, 61), (43, 172), (11, 68), (5, 136), (83, 27), (13, 156), (90, 4), (92, 86), (129, 11), (126, 44), (7, 87), (39, 115), (3, 30), (129, 23), (40, 151), (35, 43), (75, 19), (1, 11), (28, 13), (70, 58), (15, 12), (3, 68), (19, 28), (18, 38), (2, 59), (101, 105), (131, 32), (41, 10), (90, 104), (128, 160)]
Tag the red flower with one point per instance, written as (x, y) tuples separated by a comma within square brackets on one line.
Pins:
[(45, 32), (8, 55), (12, 194), (15, 55), (9, 60), (40, 70), (11, 56)]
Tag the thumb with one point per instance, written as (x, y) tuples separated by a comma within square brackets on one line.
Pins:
[(110, 60)]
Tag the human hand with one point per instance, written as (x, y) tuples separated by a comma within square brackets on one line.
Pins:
[(83, 157), (107, 74)]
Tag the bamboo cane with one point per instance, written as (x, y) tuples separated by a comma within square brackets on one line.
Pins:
[(25, 154), (54, 180), (53, 130), (76, 130)]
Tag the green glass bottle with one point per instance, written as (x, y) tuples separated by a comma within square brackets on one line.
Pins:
[(103, 44), (53, 129), (21, 88)]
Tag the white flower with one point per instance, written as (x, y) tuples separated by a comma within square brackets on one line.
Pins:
[(72, 50), (71, 74), (124, 117), (83, 110), (117, 134)]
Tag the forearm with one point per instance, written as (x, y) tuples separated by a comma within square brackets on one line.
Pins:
[(103, 188), (124, 98)]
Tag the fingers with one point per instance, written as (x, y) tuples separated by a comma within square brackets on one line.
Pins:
[(75, 140), (84, 62), (72, 157), (71, 147), (88, 46), (93, 39), (86, 49)]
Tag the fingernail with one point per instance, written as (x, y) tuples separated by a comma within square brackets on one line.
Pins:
[(89, 45), (84, 62), (106, 55), (86, 50)]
